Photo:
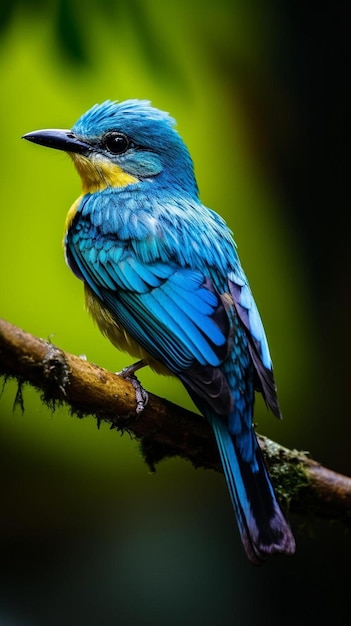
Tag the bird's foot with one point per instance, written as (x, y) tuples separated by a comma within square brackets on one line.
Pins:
[(141, 395)]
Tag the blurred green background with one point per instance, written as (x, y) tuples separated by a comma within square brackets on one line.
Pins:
[(260, 93)]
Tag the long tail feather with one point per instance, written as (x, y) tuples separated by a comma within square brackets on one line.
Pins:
[(262, 525)]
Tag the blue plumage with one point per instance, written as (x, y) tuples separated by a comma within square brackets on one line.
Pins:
[(164, 281)]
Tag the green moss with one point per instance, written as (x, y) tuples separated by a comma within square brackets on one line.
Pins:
[(287, 471)]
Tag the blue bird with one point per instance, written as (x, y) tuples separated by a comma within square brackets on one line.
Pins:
[(164, 282)]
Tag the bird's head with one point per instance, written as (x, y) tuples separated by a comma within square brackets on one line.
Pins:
[(115, 144)]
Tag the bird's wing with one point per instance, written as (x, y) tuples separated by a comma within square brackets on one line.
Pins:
[(248, 313), (174, 313)]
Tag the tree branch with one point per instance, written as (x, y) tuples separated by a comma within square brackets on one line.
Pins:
[(164, 429)]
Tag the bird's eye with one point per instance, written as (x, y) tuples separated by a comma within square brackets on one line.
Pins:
[(117, 143)]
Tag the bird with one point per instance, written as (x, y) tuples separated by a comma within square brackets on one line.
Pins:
[(164, 282)]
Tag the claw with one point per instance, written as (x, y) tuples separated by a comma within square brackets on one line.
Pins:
[(141, 395)]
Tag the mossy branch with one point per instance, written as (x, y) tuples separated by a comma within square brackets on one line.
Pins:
[(164, 429)]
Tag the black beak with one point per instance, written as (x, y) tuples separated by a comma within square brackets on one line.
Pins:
[(58, 139)]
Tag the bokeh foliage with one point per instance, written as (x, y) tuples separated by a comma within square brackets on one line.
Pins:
[(234, 77)]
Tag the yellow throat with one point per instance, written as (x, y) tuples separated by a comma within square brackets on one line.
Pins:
[(96, 174)]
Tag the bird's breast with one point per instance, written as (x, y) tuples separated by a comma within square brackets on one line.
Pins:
[(72, 212)]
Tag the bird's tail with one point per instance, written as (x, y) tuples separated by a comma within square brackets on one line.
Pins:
[(262, 525)]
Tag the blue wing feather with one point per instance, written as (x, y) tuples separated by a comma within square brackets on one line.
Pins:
[(257, 341), (244, 300), (147, 275), (173, 355), (157, 306), (179, 304)]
